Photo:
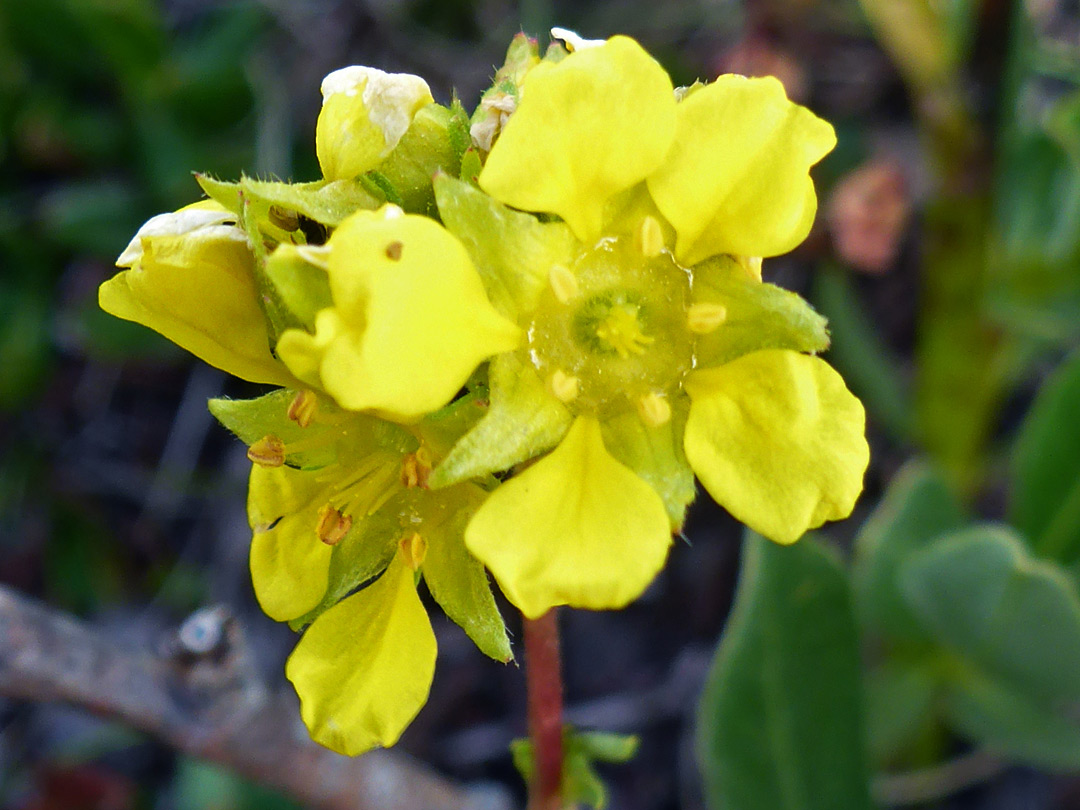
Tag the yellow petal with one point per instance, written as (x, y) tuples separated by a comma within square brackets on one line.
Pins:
[(290, 566), (363, 670), (364, 114), (737, 178), (587, 128), (192, 280), (778, 440), (576, 528), (412, 318)]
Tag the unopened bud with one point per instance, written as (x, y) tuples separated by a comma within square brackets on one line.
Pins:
[(333, 525), (302, 408), (269, 451), (705, 317), (414, 547)]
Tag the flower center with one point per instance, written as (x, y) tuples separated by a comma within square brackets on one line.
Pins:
[(611, 331)]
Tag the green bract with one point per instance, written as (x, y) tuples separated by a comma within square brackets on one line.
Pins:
[(509, 340)]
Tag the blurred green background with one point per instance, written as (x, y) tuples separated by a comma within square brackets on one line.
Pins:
[(946, 256)]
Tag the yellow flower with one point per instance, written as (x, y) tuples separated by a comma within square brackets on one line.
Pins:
[(654, 350), (191, 277), (410, 319), (338, 501)]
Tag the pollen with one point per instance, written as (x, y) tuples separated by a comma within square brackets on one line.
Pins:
[(269, 451), (705, 317), (414, 548), (621, 330), (654, 410), (332, 525), (563, 284), (564, 386), (416, 469), (302, 408), (650, 238)]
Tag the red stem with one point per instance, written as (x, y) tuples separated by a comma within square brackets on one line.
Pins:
[(543, 677)]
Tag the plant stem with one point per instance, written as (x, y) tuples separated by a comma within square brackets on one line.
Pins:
[(543, 678), (932, 784)]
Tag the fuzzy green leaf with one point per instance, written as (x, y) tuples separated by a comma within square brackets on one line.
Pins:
[(759, 315), (323, 202)]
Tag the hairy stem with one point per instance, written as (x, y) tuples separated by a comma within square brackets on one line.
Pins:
[(543, 675)]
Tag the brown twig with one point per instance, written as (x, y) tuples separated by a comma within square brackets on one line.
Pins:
[(199, 693), (543, 675)]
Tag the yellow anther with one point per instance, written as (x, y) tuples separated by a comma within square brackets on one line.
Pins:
[(752, 266), (564, 386), (414, 547), (269, 451), (302, 408), (563, 283), (332, 526), (416, 469), (705, 317), (654, 410), (650, 239), (621, 330)]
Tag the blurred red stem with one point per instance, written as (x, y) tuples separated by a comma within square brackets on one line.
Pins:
[(543, 676)]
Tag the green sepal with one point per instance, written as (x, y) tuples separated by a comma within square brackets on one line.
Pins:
[(512, 251), (426, 148), (327, 203), (359, 558), (302, 287), (377, 183), (444, 428), (759, 315), (522, 421), (918, 508), (581, 784), (656, 455), (457, 130), (522, 55), (471, 165), (456, 579)]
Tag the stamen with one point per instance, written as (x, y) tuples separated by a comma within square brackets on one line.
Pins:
[(650, 239), (414, 548), (751, 264), (622, 331), (564, 386), (654, 410), (302, 408), (284, 218), (563, 283), (332, 526), (705, 317), (269, 451), (416, 469)]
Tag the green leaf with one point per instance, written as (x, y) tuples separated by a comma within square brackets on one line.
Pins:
[(581, 784), (861, 356), (759, 316), (780, 725), (522, 421), (1002, 719), (656, 455), (900, 704), (303, 288), (513, 252), (425, 149), (458, 581), (1015, 618), (1045, 504), (917, 508), (326, 203)]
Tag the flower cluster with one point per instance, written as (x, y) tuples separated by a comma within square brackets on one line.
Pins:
[(507, 340)]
